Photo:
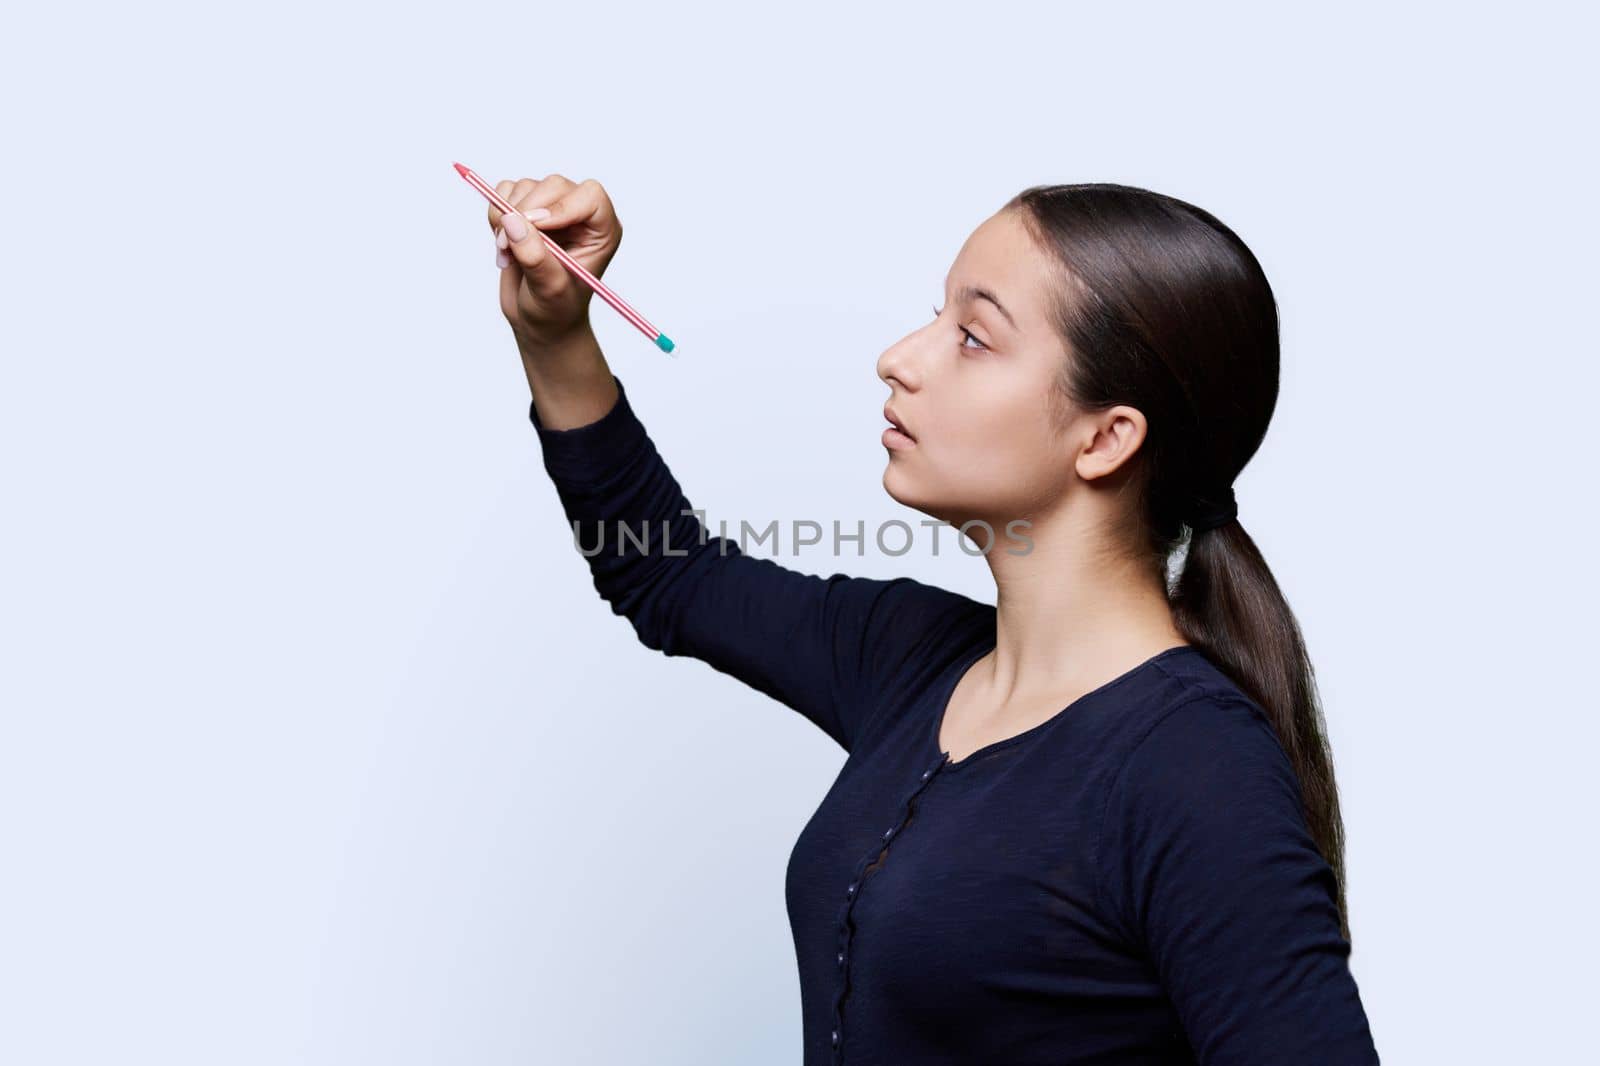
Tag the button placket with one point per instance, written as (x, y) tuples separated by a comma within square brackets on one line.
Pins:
[(846, 929)]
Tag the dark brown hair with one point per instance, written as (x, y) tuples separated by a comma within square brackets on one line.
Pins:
[(1164, 308)]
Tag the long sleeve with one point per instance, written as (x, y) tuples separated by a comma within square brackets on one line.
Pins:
[(825, 647), (1207, 862)]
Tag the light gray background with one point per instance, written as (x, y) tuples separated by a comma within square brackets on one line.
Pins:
[(318, 745)]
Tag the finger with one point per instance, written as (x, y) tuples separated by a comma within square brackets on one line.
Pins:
[(503, 189), (525, 245), (515, 192), (544, 273), (585, 203), (510, 284), (541, 193)]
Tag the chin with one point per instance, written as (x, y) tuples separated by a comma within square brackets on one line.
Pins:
[(895, 483), (901, 489)]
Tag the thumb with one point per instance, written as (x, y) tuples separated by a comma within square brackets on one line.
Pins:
[(527, 247)]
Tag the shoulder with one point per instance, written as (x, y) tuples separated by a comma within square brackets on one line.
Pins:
[(1206, 800), (1211, 747), (923, 608), (1183, 716), (1206, 781), (1204, 723), (890, 617), (909, 633)]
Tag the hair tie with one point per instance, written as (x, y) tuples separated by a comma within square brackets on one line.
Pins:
[(1225, 510)]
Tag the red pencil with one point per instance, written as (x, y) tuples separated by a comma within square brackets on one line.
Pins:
[(662, 341)]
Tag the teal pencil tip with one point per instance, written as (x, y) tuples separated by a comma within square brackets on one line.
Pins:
[(664, 342)]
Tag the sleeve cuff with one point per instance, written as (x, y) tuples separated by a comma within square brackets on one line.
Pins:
[(591, 451)]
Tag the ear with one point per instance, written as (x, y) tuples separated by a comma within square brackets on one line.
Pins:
[(1113, 437)]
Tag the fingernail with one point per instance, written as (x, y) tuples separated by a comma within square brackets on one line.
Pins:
[(502, 260), (537, 213), (516, 228), (500, 239)]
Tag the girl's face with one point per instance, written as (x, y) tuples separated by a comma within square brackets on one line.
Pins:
[(973, 389)]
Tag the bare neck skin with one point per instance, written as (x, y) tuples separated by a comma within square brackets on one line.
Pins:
[(1070, 615)]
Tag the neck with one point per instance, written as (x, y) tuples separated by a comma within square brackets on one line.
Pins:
[(1073, 612)]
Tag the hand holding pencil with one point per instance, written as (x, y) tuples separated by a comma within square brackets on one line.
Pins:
[(555, 240)]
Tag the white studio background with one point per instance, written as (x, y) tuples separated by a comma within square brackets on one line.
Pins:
[(319, 746)]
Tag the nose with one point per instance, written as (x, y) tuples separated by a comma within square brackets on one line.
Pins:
[(898, 365)]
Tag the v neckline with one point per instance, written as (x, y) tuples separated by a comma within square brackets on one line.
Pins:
[(964, 666)]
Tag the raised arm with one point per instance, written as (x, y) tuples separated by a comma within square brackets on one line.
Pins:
[(1209, 865), (828, 647)]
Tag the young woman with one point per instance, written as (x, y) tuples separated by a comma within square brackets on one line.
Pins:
[(1097, 821)]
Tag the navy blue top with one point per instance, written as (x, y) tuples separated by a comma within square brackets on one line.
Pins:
[(1131, 881)]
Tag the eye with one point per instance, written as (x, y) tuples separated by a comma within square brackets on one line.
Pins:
[(981, 346)]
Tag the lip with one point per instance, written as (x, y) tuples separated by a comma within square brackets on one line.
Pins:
[(894, 420), (894, 440)]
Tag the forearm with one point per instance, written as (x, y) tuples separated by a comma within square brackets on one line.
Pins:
[(570, 381)]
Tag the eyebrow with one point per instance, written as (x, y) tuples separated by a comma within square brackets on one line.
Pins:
[(969, 293)]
